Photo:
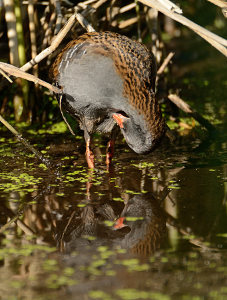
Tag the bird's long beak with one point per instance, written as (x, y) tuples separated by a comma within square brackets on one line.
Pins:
[(119, 118), (119, 223)]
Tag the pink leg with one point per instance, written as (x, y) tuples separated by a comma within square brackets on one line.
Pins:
[(89, 155)]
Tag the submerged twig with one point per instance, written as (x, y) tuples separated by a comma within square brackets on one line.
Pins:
[(186, 108), (44, 160)]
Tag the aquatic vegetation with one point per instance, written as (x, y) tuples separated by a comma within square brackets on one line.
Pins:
[(133, 294), (143, 165), (19, 182)]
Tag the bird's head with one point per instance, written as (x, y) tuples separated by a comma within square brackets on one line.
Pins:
[(136, 134)]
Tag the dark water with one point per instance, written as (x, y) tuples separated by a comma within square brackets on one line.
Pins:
[(66, 239)]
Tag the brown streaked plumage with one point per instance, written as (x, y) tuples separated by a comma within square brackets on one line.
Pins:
[(108, 80)]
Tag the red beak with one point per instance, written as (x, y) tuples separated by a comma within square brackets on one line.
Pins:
[(119, 223), (119, 119)]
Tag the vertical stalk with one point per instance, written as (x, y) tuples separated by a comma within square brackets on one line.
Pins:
[(20, 33), (152, 22), (32, 28), (138, 21), (31, 17), (11, 32), (10, 18), (1, 5), (59, 16), (23, 98)]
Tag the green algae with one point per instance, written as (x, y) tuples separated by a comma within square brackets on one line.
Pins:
[(18, 182), (134, 294), (55, 281), (117, 199), (48, 128), (99, 294), (143, 165)]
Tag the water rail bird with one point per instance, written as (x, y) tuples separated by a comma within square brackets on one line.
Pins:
[(108, 84)]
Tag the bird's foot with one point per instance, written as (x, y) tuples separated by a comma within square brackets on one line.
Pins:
[(90, 158)]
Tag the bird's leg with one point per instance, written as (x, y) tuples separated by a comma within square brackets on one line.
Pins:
[(110, 146), (89, 154)]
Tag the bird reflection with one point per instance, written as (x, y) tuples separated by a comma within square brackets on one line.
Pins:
[(139, 228)]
